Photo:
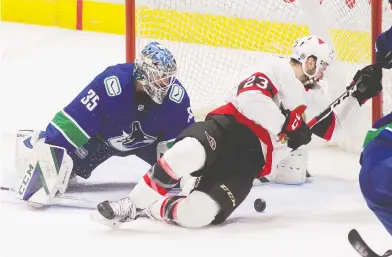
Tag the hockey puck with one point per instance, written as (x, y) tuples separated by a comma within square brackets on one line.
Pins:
[(260, 205)]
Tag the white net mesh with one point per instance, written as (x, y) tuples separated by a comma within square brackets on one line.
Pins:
[(214, 42)]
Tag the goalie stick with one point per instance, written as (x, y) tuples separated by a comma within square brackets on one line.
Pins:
[(72, 201), (64, 200), (361, 247)]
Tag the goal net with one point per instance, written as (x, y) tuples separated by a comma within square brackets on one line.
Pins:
[(215, 42)]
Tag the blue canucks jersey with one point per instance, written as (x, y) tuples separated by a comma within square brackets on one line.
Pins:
[(376, 170), (383, 45), (110, 109)]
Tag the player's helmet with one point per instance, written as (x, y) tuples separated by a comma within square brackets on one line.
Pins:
[(313, 46), (155, 68)]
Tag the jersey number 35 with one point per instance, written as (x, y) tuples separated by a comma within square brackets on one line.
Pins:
[(90, 100)]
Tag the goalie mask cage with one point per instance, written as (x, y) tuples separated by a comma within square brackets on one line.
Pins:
[(215, 41)]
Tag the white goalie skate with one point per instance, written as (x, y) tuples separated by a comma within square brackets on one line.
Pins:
[(115, 213)]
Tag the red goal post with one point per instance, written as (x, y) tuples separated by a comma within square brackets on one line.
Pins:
[(376, 29), (130, 30)]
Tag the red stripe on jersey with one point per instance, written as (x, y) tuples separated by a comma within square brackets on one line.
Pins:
[(259, 82), (331, 128), (258, 130), (153, 185)]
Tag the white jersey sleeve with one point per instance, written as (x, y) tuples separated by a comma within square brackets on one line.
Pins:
[(254, 100), (337, 122), (259, 97), (261, 109)]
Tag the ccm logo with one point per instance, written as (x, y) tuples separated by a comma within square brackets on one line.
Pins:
[(229, 193), (26, 180)]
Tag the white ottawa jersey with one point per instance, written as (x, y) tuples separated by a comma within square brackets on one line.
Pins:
[(258, 100)]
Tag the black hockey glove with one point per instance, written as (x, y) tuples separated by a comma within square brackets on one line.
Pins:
[(295, 130), (369, 83)]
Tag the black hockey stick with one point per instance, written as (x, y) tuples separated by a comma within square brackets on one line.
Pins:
[(6, 189), (361, 247), (57, 196), (349, 92)]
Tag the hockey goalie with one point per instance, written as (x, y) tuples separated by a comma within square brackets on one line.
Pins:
[(132, 108)]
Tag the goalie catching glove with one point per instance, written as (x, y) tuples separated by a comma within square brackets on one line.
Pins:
[(295, 130), (368, 82)]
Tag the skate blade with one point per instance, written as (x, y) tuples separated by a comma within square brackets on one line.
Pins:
[(97, 217)]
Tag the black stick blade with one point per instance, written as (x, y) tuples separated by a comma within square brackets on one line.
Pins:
[(359, 245)]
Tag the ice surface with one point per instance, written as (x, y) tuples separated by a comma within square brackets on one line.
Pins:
[(42, 68)]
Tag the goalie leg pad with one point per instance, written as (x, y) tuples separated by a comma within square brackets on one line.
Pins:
[(292, 169), (25, 141), (47, 173)]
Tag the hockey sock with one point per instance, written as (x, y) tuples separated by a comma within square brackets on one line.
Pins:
[(168, 210), (160, 177)]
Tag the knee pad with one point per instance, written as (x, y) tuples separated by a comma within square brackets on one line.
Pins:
[(292, 169), (185, 157), (196, 210)]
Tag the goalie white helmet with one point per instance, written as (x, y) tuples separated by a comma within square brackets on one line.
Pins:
[(155, 68), (313, 46)]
